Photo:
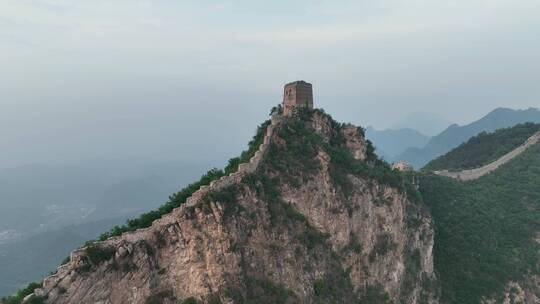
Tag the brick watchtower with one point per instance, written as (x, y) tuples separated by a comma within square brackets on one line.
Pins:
[(298, 94)]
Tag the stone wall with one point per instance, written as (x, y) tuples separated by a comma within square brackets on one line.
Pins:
[(473, 174)]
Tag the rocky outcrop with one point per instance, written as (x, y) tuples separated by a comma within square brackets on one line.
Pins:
[(285, 228), (472, 174)]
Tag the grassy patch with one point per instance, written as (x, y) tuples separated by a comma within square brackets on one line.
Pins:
[(334, 287), (383, 245), (22, 293), (190, 300), (297, 160), (98, 254), (261, 291), (375, 295)]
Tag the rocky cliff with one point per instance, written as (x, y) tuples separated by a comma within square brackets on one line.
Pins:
[(314, 217)]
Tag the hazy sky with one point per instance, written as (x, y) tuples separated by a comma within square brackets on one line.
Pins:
[(191, 79)]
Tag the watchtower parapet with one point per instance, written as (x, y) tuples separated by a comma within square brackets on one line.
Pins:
[(297, 94)]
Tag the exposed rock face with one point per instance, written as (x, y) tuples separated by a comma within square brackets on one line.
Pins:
[(291, 230), (355, 141)]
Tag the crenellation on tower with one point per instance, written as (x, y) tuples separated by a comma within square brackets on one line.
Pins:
[(297, 94)]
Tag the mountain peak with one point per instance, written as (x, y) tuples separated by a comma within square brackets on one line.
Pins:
[(279, 227)]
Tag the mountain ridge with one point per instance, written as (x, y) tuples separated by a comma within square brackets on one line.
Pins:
[(485, 152), (454, 135)]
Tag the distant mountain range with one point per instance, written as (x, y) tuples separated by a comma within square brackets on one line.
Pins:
[(390, 143), (455, 135), (424, 122)]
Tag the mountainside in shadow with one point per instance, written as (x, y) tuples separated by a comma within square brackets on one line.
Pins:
[(307, 215), (390, 143), (455, 135)]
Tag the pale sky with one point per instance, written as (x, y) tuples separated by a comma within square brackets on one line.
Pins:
[(191, 79)]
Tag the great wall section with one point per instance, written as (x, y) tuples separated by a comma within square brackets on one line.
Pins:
[(169, 221), (472, 174), (297, 94)]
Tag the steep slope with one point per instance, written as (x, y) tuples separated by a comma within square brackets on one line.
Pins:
[(313, 217), (390, 143), (487, 240), (455, 135)]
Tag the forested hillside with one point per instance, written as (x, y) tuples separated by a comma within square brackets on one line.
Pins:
[(486, 232), (484, 148)]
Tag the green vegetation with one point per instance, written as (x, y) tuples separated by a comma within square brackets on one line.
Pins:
[(160, 297), (190, 300), (484, 148), (375, 295), (21, 294), (95, 255), (226, 196), (214, 299), (253, 146), (383, 245), (298, 154), (354, 244), (484, 229), (334, 287), (296, 160), (98, 254), (259, 291), (35, 300)]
